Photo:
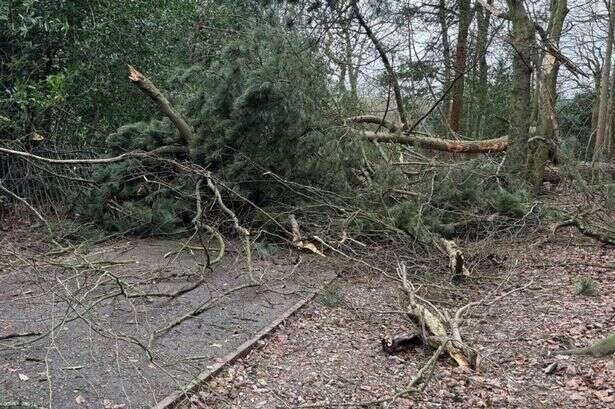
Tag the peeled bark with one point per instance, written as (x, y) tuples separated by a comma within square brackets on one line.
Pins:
[(438, 329), (444, 145), (456, 261), (163, 104)]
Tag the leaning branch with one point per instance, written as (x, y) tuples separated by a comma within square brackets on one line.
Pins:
[(98, 161), (385, 61), (164, 106)]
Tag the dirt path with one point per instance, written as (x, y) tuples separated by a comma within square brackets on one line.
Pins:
[(327, 355), (93, 349)]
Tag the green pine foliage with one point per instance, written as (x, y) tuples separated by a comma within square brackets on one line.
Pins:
[(122, 200), (263, 106), (266, 106)]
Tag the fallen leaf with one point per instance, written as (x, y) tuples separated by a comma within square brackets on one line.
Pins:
[(80, 399), (605, 396), (110, 405)]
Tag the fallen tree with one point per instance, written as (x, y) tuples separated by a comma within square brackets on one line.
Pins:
[(396, 135), (417, 139)]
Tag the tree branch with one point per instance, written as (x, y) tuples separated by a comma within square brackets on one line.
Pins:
[(164, 105), (387, 64)]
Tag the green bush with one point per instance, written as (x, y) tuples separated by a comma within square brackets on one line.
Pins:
[(512, 204)]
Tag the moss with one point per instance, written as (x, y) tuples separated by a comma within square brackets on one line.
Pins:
[(585, 286)]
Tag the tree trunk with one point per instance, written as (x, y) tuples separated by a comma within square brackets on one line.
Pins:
[(547, 127), (609, 145), (446, 59), (515, 164), (483, 18), (460, 64), (600, 143)]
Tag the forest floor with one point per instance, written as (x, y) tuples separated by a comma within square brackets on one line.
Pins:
[(327, 353), (330, 353)]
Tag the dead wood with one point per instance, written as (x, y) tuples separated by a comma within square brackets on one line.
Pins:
[(298, 241), (583, 226), (164, 106), (446, 145), (456, 261), (438, 327), (399, 343)]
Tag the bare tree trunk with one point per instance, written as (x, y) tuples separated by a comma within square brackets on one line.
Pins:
[(600, 143), (483, 18), (545, 140), (609, 143), (461, 53), (515, 164), (446, 58)]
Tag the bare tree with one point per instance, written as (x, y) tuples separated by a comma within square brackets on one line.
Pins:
[(461, 52), (602, 143)]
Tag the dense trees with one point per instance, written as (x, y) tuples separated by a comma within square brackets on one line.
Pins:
[(63, 64), (302, 89)]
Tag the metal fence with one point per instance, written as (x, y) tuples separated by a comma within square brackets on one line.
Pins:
[(47, 187)]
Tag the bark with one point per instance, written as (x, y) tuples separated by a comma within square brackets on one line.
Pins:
[(439, 330), (481, 48), (596, 105), (515, 164), (163, 150), (460, 64), (396, 135), (547, 131), (351, 69), (163, 104), (456, 261), (609, 143), (600, 144), (445, 145), (446, 57)]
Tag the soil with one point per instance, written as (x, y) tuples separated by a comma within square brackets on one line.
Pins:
[(330, 354)]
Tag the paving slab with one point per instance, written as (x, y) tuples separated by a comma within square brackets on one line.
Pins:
[(94, 350)]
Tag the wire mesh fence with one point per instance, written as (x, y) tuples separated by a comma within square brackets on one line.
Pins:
[(48, 188)]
